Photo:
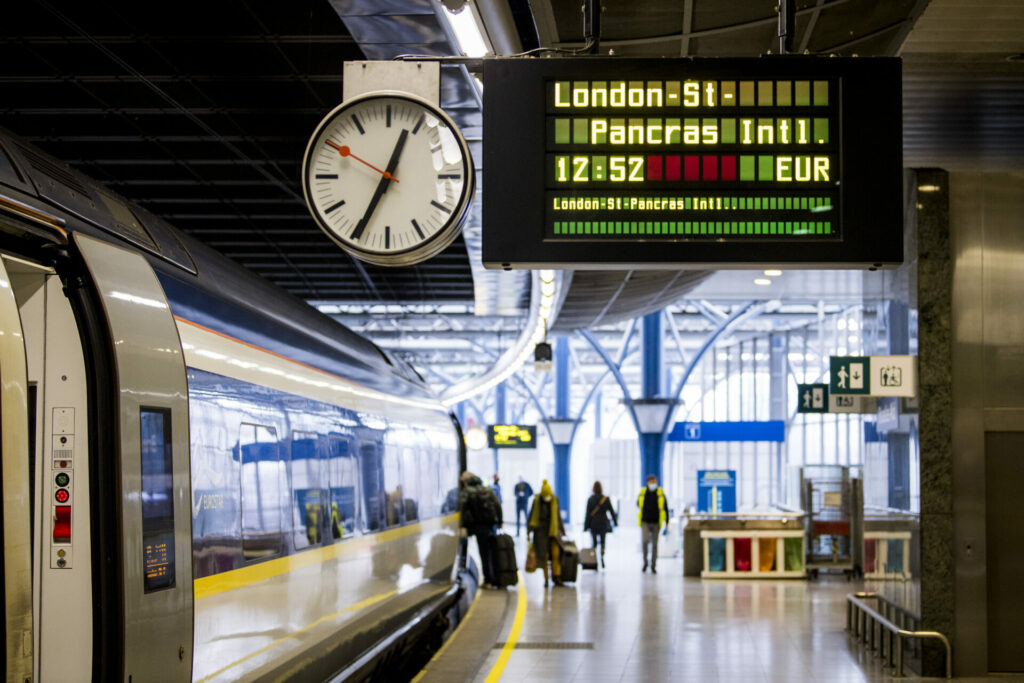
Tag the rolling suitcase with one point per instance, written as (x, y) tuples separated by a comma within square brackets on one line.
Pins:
[(505, 569), (570, 560), (588, 558)]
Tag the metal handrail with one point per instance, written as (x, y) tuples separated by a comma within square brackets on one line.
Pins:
[(878, 510), (730, 515), (859, 625)]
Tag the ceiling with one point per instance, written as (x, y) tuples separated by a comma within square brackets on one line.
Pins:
[(201, 111)]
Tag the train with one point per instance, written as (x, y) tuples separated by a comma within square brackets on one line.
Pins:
[(204, 478)]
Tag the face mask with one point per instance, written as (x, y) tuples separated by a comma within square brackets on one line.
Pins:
[(652, 487), (547, 499)]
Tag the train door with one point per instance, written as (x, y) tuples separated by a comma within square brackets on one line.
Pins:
[(17, 477), (58, 457), (140, 485)]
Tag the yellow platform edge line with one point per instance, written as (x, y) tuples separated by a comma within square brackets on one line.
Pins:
[(244, 576), (513, 635)]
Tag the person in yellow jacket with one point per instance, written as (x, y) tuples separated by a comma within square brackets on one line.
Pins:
[(545, 523), (652, 515)]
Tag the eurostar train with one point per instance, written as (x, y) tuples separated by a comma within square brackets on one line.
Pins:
[(203, 478)]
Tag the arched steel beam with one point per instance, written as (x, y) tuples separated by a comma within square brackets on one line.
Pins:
[(614, 369), (623, 354), (741, 312)]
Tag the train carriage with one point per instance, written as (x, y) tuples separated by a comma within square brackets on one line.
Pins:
[(204, 478)]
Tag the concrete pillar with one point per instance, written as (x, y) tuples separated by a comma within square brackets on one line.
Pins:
[(935, 386)]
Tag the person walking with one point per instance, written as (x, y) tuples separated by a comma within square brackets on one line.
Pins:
[(496, 487), (523, 492), (480, 514), (545, 523), (599, 508), (652, 515)]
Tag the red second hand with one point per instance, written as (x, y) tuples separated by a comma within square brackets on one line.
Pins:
[(346, 152)]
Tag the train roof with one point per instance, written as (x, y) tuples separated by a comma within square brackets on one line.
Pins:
[(201, 285)]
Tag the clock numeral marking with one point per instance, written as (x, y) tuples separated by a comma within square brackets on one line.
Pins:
[(326, 176), (416, 227), (445, 176), (419, 123), (387, 236), (332, 207), (389, 116), (440, 206), (358, 125), (436, 148)]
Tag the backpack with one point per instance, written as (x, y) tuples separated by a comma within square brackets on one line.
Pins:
[(481, 507)]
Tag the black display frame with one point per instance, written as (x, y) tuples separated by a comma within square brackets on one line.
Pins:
[(869, 125)]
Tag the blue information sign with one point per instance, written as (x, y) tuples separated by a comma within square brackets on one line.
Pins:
[(768, 430), (716, 490)]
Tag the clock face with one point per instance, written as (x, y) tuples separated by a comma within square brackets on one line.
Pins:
[(389, 178)]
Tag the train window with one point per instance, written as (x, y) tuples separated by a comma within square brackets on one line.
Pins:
[(343, 475), (393, 495), (307, 491), (433, 493), (448, 468), (373, 486), (263, 492), (412, 484), (157, 499)]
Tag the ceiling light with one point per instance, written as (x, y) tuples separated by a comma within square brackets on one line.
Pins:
[(763, 281), (467, 31), (928, 188), (773, 273)]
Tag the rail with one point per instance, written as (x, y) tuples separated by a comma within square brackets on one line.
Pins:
[(860, 618), (783, 516)]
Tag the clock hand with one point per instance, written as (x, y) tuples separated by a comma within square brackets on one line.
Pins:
[(382, 186), (346, 152)]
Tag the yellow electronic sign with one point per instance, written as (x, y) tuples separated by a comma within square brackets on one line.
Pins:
[(726, 161), (512, 436)]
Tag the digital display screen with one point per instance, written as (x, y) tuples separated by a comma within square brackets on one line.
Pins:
[(157, 500), (642, 163), (512, 436)]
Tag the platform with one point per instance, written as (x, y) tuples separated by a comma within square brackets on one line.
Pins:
[(624, 625)]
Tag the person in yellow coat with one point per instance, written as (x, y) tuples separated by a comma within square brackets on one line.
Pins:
[(545, 523), (652, 516)]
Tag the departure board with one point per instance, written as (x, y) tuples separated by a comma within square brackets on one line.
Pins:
[(603, 162), (512, 436)]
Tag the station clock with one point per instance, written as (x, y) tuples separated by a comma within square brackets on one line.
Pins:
[(389, 178)]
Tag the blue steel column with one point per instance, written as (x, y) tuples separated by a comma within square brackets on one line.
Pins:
[(562, 450), (652, 445), (500, 410)]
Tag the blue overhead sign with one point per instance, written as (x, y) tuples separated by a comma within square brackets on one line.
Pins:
[(768, 430), (716, 490)]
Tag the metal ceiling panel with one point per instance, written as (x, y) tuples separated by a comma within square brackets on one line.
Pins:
[(204, 123), (963, 87)]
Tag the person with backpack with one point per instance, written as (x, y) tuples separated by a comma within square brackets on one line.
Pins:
[(545, 522), (599, 508), (480, 514)]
